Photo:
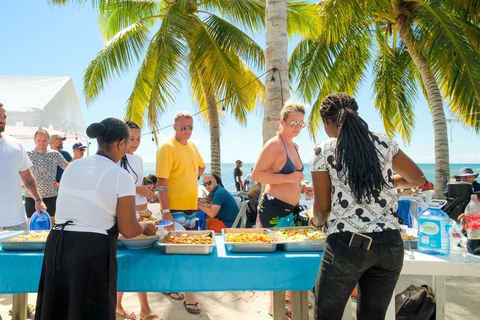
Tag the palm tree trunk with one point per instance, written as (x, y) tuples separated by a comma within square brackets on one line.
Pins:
[(276, 56), (434, 98), (214, 135)]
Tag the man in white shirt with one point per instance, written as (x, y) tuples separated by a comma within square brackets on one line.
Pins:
[(15, 166)]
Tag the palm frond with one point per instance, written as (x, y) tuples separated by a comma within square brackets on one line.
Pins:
[(301, 18), (465, 10), (454, 61), (229, 37), (159, 77), (395, 89), (247, 14), (118, 55), (116, 16)]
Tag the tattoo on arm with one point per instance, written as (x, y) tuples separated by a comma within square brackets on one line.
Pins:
[(29, 184)]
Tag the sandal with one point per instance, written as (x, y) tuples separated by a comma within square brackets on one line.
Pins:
[(190, 309), (179, 295), (151, 316), (31, 311), (126, 315)]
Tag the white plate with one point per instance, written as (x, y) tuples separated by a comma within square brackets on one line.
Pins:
[(138, 243)]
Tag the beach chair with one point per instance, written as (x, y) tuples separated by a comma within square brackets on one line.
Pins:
[(241, 219), (408, 208)]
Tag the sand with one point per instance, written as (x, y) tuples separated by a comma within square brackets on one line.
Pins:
[(462, 302)]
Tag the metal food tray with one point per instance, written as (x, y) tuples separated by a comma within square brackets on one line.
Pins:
[(173, 248), (8, 245), (304, 245), (247, 247)]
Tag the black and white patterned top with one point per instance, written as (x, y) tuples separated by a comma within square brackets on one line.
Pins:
[(44, 170), (346, 213)]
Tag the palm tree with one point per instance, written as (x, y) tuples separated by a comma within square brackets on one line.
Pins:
[(429, 44), (178, 38)]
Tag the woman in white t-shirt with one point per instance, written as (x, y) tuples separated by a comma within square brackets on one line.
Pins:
[(96, 201), (354, 196), (134, 165)]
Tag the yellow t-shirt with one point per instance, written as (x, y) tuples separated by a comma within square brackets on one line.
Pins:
[(179, 164)]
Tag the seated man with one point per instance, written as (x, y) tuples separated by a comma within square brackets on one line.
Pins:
[(467, 175), (224, 207)]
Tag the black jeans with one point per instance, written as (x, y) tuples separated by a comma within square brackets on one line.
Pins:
[(375, 270)]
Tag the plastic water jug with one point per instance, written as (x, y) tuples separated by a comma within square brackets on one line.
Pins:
[(41, 222), (433, 231)]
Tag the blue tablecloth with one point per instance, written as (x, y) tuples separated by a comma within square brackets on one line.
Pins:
[(150, 270)]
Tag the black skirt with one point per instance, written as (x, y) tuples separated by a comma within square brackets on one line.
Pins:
[(79, 276)]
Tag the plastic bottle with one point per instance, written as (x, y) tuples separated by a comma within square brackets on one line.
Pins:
[(434, 231), (472, 214)]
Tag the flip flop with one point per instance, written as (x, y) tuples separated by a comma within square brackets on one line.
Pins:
[(151, 316), (179, 296), (126, 315), (288, 313), (194, 311)]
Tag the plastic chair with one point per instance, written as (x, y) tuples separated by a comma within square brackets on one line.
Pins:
[(241, 219), (408, 210)]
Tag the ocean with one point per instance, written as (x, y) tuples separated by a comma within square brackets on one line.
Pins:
[(227, 171)]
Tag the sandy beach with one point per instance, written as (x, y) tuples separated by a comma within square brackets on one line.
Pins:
[(462, 302)]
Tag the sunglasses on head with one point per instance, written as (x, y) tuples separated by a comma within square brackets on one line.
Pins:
[(301, 124), (183, 128), (208, 183)]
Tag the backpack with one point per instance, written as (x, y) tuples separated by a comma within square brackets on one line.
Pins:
[(415, 303)]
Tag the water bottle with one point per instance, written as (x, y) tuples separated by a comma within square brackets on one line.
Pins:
[(433, 231), (472, 215)]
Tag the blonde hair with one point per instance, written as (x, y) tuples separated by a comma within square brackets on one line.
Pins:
[(183, 114), (291, 106)]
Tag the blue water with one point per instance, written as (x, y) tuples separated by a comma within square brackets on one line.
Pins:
[(228, 181)]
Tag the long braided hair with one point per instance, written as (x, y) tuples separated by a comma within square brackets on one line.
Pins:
[(355, 154)]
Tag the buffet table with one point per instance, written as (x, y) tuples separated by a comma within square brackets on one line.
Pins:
[(150, 270)]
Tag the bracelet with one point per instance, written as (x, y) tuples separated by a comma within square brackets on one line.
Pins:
[(38, 200), (165, 210)]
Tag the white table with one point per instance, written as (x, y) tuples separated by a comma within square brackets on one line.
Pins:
[(458, 263)]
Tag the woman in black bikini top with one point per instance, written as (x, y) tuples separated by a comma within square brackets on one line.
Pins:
[(289, 166)]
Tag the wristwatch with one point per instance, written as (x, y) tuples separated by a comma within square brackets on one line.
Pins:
[(165, 211)]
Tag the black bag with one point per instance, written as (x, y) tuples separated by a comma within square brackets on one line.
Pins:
[(415, 303)]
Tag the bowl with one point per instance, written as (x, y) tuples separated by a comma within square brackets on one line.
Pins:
[(138, 243)]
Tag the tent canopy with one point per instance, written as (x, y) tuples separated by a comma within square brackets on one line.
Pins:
[(42, 102)]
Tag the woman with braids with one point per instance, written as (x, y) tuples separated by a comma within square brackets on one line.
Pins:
[(354, 198), (96, 201), (280, 168), (134, 165)]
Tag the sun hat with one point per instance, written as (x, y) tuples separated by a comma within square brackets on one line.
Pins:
[(465, 172), (54, 137), (78, 145)]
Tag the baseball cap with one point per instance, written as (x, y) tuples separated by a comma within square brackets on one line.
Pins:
[(78, 145), (54, 137), (238, 161)]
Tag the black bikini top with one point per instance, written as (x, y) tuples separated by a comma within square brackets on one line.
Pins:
[(289, 166)]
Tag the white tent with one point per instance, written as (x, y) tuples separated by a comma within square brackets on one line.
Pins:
[(42, 102)]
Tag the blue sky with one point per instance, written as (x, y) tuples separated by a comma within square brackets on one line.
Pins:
[(43, 40)]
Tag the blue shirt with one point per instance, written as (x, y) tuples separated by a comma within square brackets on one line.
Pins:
[(67, 157), (228, 206)]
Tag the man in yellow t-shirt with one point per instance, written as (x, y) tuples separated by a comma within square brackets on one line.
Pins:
[(178, 167)]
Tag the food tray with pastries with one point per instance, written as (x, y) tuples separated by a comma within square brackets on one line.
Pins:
[(23, 240), (249, 240), (300, 238), (188, 242), (139, 242), (409, 238)]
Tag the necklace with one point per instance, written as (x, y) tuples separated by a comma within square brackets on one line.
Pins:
[(102, 153)]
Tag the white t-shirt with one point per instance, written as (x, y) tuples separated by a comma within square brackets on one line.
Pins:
[(90, 189), (251, 183), (13, 159), (346, 213), (135, 168)]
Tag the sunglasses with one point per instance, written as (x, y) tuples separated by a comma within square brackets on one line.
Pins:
[(301, 124), (208, 183), (186, 127)]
